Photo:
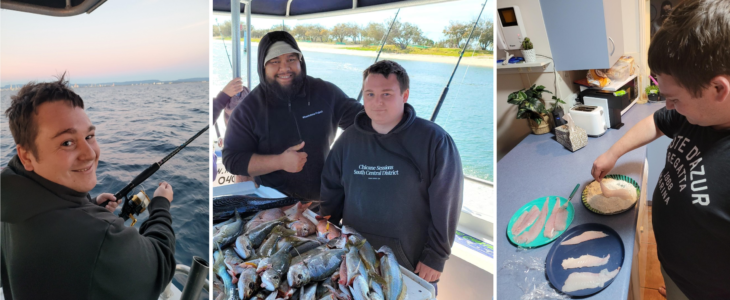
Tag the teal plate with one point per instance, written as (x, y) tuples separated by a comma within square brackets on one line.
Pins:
[(584, 194), (540, 240)]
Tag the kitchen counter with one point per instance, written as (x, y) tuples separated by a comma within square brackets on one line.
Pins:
[(539, 166)]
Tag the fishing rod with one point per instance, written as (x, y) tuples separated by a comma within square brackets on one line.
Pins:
[(224, 43), (138, 203), (385, 38), (446, 89)]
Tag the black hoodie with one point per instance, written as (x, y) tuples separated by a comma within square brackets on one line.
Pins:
[(264, 123), (402, 189), (56, 244)]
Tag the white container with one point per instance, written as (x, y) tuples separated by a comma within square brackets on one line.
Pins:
[(590, 118), (528, 55), (417, 288)]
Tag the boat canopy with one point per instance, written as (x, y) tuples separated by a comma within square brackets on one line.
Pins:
[(308, 9), (54, 8)]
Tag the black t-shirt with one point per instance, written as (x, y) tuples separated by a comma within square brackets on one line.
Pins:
[(691, 207)]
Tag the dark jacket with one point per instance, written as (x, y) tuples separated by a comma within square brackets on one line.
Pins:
[(267, 124), (403, 189), (56, 244)]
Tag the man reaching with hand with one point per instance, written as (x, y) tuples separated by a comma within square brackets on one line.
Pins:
[(692, 199)]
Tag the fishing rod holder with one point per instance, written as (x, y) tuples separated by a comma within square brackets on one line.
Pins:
[(196, 278)]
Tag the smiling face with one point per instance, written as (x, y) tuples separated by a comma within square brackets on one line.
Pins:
[(709, 109), (383, 101), (67, 152), (282, 69)]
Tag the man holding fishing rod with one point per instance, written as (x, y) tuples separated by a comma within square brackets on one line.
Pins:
[(58, 242), (282, 131)]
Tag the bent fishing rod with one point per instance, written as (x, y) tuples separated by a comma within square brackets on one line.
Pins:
[(138, 203), (446, 89)]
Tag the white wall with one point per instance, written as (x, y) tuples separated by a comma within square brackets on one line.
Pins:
[(511, 131)]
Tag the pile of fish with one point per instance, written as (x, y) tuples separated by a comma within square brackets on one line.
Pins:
[(553, 225), (275, 256), (586, 280)]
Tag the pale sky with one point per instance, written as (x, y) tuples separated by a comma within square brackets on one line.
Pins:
[(120, 41), (431, 18)]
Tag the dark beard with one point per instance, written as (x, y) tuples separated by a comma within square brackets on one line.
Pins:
[(288, 92)]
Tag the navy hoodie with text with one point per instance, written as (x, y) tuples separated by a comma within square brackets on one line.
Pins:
[(402, 189), (265, 124)]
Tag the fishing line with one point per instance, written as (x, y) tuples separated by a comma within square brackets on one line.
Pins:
[(224, 44), (461, 85)]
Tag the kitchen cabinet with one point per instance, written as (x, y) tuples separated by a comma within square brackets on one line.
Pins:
[(583, 34)]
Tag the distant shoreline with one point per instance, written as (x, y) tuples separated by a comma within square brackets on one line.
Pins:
[(480, 61)]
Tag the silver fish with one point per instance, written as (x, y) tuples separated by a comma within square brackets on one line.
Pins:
[(248, 283), (276, 267), (309, 292), (360, 289), (253, 238), (228, 233), (390, 270), (220, 269), (315, 268), (355, 265)]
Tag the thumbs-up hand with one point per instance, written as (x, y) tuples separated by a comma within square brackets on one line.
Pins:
[(291, 160)]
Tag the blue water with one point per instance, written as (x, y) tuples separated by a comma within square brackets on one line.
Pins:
[(137, 126), (466, 113)]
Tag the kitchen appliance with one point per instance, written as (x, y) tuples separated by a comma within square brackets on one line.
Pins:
[(510, 29), (611, 102), (590, 118)]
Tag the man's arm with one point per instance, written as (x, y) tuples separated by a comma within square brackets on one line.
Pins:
[(142, 262), (290, 160), (641, 134), (345, 108), (233, 87), (445, 198), (239, 150)]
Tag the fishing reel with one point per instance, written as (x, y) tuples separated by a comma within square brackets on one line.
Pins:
[(134, 206)]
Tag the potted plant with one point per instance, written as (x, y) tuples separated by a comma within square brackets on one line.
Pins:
[(530, 106), (528, 53)]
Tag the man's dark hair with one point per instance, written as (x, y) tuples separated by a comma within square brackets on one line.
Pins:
[(24, 107), (387, 67), (692, 44)]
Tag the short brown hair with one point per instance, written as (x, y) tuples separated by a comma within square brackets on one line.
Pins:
[(25, 105), (387, 67), (692, 44)]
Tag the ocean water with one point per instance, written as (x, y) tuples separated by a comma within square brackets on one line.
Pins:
[(137, 126), (466, 113)]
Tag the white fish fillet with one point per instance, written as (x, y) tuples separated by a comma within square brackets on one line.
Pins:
[(586, 236), (561, 217), (525, 220), (534, 231), (621, 193), (586, 280), (585, 261), (550, 225)]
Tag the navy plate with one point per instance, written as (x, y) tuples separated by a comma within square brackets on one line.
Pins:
[(611, 244)]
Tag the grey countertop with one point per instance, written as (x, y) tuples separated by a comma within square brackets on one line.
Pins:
[(539, 166)]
